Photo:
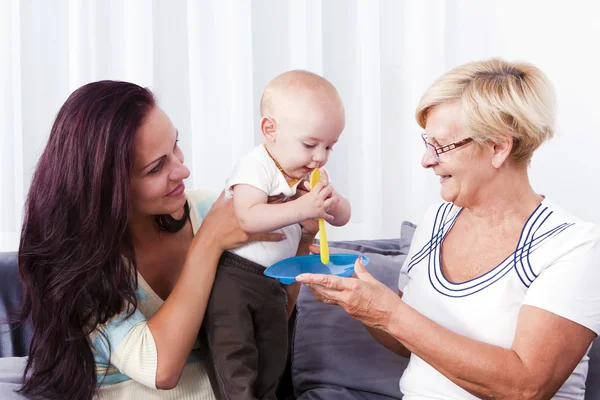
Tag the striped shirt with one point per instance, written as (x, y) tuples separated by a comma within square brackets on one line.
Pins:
[(555, 266)]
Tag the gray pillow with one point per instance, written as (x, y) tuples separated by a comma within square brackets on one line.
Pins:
[(333, 355), (339, 393), (592, 390), (392, 247)]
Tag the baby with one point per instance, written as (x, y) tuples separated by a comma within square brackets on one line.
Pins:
[(302, 117)]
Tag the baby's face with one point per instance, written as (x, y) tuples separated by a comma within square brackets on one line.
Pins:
[(304, 142)]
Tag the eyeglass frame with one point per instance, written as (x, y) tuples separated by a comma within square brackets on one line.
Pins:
[(446, 148)]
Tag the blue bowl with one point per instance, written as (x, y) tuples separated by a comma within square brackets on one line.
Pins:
[(339, 265)]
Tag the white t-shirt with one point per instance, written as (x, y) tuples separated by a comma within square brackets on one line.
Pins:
[(555, 267), (258, 169)]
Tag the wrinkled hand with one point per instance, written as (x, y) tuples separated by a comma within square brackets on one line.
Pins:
[(222, 226), (361, 296)]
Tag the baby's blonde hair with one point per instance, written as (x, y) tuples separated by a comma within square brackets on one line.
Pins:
[(497, 98), (284, 90)]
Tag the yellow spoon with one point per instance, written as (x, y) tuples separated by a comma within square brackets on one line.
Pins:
[(315, 177)]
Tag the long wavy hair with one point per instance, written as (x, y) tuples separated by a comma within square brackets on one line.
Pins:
[(76, 258)]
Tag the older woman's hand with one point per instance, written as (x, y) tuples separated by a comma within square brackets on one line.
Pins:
[(361, 296)]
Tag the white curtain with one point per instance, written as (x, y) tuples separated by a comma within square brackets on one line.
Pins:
[(208, 61)]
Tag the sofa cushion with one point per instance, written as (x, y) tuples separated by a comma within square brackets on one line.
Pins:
[(14, 338), (339, 393), (388, 247), (333, 355), (592, 385)]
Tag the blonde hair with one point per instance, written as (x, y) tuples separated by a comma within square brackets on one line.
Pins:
[(498, 99)]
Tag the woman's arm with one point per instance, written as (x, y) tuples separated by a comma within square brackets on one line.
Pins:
[(388, 341), (545, 351), (555, 327), (176, 324)]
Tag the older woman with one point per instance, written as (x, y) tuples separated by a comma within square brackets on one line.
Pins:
[(499, 294)]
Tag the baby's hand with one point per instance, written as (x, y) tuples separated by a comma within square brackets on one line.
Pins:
[(317, 202), (304, 186)]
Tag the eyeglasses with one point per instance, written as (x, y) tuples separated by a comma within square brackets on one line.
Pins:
[(436, 151)]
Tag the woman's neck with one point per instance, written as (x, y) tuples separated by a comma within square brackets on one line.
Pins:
[(508, 197), (144, 230)]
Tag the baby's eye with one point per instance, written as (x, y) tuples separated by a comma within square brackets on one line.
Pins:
[(309, 146), (330, 148)]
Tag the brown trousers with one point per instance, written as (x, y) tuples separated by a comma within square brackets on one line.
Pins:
[(246, 327)]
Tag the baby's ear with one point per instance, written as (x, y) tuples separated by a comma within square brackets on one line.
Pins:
[(268, 127)]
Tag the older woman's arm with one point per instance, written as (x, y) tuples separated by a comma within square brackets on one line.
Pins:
[(556, 324), (388, 341), (546, 350)]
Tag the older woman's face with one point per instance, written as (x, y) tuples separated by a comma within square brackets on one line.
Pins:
[(158, 172), (462, 171)]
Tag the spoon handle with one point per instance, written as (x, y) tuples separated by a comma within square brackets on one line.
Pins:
[(323, 242)]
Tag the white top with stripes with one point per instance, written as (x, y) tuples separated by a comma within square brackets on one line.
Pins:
[(555, 267)]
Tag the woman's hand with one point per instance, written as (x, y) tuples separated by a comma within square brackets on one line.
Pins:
[(310, 228), (222, 227), (361, 296)]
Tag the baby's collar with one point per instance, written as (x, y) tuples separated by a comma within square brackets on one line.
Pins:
[(291, 183)]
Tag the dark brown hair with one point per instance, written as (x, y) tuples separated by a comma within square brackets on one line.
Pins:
[(76, 258)]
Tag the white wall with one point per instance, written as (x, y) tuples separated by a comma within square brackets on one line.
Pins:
[(209, 60), (561, 38)]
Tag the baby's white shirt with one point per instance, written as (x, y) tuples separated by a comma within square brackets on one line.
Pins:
[(258, 169)]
